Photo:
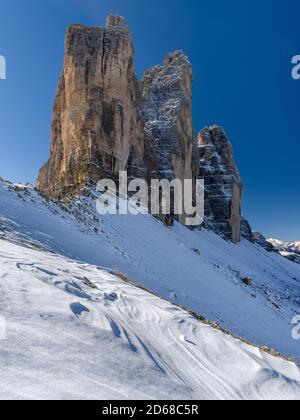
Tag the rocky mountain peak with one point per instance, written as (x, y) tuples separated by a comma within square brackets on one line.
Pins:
[(97, 127), (290, 250), (217, 142), (167, 110), (105, 121), (116, 22), (223, 184), (176, 72), (176, 58)]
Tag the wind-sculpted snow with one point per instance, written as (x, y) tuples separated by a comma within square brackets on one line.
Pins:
[(75, 331), (246, 290)]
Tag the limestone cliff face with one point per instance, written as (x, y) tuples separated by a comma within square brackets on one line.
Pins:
[(167, 109), (97, 126), (223, 184), (105, 121)]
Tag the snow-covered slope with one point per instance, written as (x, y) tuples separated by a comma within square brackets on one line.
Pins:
[(196, 269), (74, 331)]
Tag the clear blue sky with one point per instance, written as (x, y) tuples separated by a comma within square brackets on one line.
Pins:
[(240, 50)]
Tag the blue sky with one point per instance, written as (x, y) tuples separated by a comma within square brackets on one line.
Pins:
[(241, 54)]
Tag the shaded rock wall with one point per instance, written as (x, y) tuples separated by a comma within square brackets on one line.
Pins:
[(223, 184), (167, 110)]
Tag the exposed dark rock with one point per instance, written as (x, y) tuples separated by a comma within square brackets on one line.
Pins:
[(105, 121), (167, 109), (259, 239), (223, 184), (247, 281), (246, 230)]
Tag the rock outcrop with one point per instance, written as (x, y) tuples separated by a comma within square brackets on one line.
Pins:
[(167, 110), (105, 121), (259, 239), (223, 184), (246, 230), (97, 127)]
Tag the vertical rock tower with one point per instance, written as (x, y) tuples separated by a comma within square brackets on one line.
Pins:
[(223, 184), (105, 121), (97, 127), (167, 109)]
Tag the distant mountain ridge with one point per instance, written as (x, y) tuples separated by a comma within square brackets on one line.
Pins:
[(290, 250)]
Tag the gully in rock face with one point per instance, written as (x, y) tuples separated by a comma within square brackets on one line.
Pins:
[(2, 67)]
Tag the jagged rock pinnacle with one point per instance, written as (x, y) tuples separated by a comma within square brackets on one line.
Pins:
[(105, 121), (223, 184), (116, 22), (175, 56), (97, 127), (167, 109)]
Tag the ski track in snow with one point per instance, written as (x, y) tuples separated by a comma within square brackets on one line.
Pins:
[(196, 269), (109, 339), (75, 330)]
